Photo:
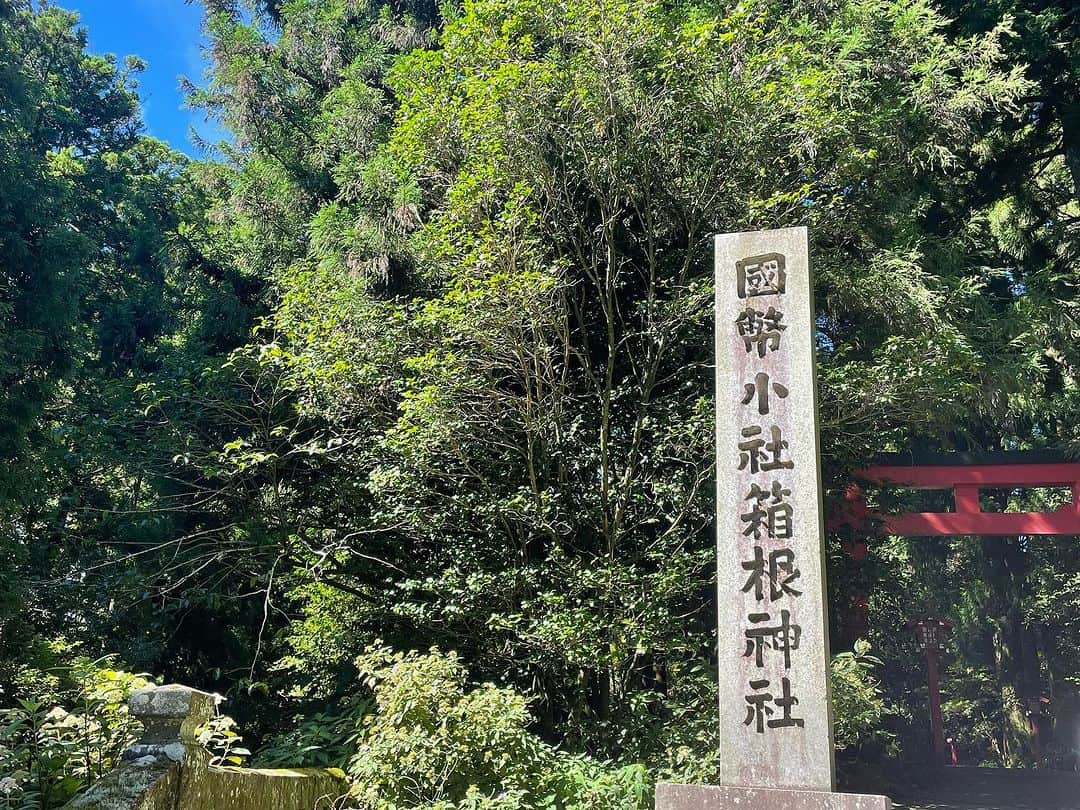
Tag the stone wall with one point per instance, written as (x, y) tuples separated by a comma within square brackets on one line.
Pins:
[(167, 770)]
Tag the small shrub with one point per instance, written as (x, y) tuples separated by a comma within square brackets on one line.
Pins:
[(857, 702), (221, 739), (320, 740), (49, 751), (435, 744)]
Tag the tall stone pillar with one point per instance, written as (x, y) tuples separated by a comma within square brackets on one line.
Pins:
[(775, 723)]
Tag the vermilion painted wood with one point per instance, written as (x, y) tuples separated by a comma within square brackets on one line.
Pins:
[(946, 476), (945, 524), (965, 481), (966, 497)]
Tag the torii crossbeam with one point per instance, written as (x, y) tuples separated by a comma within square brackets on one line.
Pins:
[(965, 474)]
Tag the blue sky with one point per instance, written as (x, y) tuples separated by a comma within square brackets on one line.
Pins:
[(166, 33)]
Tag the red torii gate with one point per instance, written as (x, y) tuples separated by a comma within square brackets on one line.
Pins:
[(965, 474)]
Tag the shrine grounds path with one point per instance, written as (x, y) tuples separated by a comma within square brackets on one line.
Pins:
[(996, 789)]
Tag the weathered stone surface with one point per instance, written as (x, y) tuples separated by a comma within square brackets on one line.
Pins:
[(776, 745), (136, 785), (259, 789), (699, 797), (194, 786), (775, 726), (171, 700), (170, 716), (168, 770)]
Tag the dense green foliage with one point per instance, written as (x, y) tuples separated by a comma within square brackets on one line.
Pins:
[(420, 359), (67, 736), (433, 744)]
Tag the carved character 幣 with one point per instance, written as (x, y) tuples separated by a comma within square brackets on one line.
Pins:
[(760, 329)]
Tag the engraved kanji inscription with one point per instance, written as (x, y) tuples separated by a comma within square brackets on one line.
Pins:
[(782, 638), (770, 512), (760, 455), (760, 330), (760, 389), (765, 274), (774, 720), (772, 574), (760, 713)]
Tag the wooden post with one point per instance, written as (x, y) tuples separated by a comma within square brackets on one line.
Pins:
[(936, 726)]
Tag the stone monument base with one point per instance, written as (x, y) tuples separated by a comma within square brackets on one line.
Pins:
[(719, 797)]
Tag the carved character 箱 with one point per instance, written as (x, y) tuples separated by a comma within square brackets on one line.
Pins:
[(770, 513)]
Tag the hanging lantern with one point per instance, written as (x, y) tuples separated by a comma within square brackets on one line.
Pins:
[(931, 634)]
